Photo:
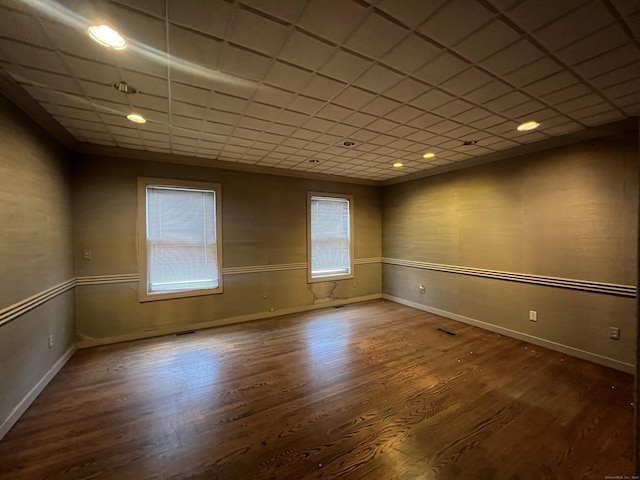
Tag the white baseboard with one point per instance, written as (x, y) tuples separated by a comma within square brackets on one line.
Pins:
[(558, 347), (19, 410), (93, 342)]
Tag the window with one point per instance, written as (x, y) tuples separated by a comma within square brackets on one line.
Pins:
[(179, 238), (330, 239)]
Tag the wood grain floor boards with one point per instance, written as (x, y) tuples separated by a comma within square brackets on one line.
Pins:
[(371, 391)]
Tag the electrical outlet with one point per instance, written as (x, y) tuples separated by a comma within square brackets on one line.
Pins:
[(86, 254), (533, 315), (354, 284), (614, 333), (51, 341), (421, 288)]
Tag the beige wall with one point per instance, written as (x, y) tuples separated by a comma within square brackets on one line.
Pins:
[(35, 254), (264, 223), (569, 212)]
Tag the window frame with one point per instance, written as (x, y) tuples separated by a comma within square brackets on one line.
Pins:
[(143, 263), (341, 276)]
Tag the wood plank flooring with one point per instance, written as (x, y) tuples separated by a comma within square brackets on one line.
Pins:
[(370, 390)]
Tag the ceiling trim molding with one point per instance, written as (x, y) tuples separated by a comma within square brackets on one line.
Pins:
[(626, 125), (14, 92), (119, 152)]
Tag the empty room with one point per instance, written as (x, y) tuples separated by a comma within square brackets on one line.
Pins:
[(269, 239)]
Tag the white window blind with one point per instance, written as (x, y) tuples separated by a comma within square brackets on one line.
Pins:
[(182, 251), (330, 236)]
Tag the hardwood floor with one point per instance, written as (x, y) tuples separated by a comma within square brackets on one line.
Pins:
[(371, 390)]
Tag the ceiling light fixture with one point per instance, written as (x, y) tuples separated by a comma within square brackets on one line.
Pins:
[(107, 36), (349, 143), (398, 165), (134, 117), (528, 126), (124, 87), (429, 155), (314, 160)]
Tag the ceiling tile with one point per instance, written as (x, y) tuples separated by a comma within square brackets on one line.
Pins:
[(287, 10), (345, 66), (472, 115), (579, 103), (466, 81), (94, 71), (32, 56), (228, 103), (332, 19), (532, 72), (488, 92), (273, 96), (292, 118), (446, 27), (306, 105), (425, 120), (306, 51), (452, 108), (353, 97), (533, 14), (243, 63), (411, 53), (410, 12), (359, 119), (24, 27), (609, 61), (577, 90), (189, 94), (515, 56), (380, 106), (322, 88), (265, 112), (577, 24), (194, 47), (404, 113), (334, 112), (522, 110), (506, 101), (493, 37), (209, 17), (287, 76), (620, 75), (407, 89), (550, 84), (377, 79), (593, 45), (382, 125), (432, 99), (442, 68), (150, 102), (254, 31), (143, 83), (376, 36)]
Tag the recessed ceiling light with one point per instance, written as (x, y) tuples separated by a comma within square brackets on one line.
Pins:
[(314, 160), (429, 155), (528, 126), (398, 165), (134, 117), (349, 143), (107, 36)]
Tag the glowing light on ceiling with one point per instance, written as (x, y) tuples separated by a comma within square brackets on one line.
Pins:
[(107, 36), (528, 126), (134, 117)]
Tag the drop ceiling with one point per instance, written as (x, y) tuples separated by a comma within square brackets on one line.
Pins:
[(283, 84)]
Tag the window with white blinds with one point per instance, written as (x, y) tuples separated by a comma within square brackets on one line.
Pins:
[(180, 240), (330, 237)]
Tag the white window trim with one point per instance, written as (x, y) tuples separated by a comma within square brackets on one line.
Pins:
[(143, 182), (330, 278)]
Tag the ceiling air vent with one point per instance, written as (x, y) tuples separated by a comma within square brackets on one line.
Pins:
[(124, 87)]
